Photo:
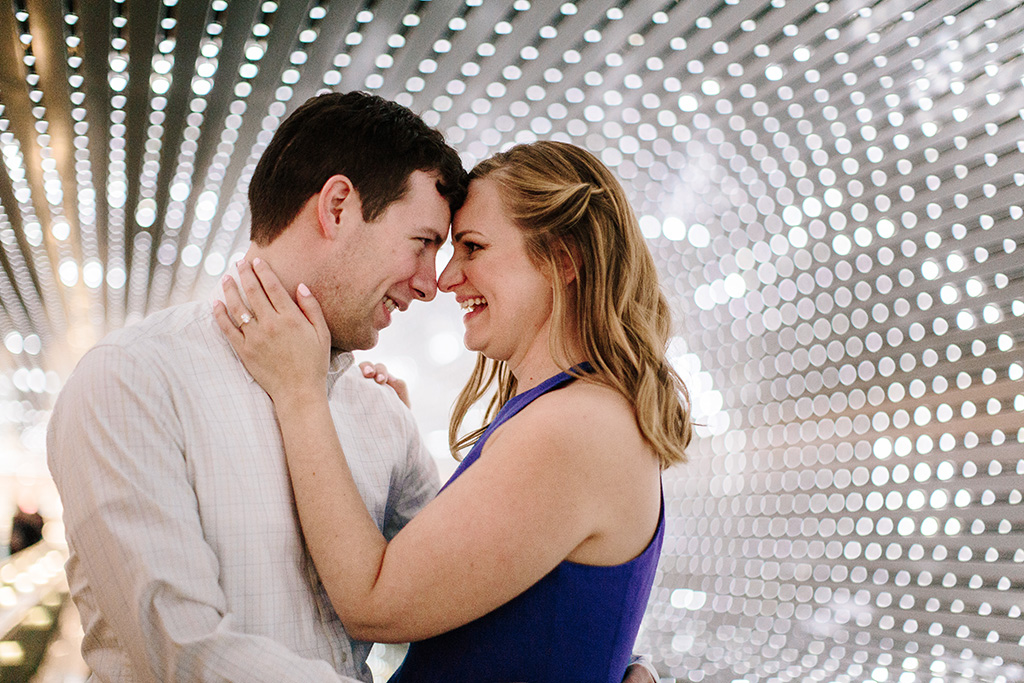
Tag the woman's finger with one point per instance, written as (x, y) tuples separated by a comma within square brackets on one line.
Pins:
[(227, 325), (234, 305), (272, 286), (314, 314), (258, 301), (379, 373), (400, 388)]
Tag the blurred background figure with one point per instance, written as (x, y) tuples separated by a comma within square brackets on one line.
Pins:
[(26, 529)]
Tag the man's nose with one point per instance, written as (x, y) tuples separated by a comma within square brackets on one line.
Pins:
[(424, 284)]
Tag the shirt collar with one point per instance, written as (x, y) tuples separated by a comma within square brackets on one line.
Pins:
[(340, 362)]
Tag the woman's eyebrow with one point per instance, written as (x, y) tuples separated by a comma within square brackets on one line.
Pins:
[(459, 236)]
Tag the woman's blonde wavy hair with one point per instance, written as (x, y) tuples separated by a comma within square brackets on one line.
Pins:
[(572, 210)]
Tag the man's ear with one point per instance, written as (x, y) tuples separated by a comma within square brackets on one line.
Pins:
[(336, 202)]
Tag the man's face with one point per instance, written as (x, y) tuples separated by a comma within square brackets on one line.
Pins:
[(382, 266)]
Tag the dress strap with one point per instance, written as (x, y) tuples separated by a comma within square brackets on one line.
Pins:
[(513, 406)]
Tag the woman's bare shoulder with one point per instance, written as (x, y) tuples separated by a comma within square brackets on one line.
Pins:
[(586, 418), (581, 400)]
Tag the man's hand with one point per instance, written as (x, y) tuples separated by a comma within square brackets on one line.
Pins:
[(639, 673)]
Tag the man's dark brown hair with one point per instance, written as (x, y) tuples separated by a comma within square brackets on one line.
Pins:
[(376, 143)]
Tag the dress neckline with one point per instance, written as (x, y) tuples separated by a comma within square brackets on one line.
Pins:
[(519, 401)]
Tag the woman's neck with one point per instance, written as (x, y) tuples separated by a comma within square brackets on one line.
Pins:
[(538, 364)]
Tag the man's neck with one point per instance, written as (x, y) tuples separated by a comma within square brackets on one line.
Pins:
[(280, 259)]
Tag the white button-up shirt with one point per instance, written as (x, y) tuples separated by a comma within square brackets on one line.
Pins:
[(186, 555)]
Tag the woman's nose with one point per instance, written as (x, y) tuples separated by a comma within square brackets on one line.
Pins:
[(451, 276)]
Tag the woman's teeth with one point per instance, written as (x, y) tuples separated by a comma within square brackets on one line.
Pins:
[(471, 304)]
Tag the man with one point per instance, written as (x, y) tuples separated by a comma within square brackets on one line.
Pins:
[(186, 558)]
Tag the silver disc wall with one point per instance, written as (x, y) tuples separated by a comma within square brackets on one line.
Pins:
[(832, 191)]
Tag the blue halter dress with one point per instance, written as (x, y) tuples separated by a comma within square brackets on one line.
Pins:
[(576, 625)]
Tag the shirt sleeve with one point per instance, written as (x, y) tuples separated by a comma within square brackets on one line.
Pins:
[(646, 662), (413, 485), (116, 452)]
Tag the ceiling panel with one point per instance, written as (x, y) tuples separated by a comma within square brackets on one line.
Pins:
[(831, 190)]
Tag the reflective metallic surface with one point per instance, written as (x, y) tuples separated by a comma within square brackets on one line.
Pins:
[(832, 191)]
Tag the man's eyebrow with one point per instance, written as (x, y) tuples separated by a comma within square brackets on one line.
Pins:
[(436, 237)]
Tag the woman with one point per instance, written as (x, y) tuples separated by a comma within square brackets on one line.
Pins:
[(536, 560)]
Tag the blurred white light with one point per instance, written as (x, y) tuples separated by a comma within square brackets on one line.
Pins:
[(965, 320), (674, 228), (735, 286), (14, 342), (116, 277), (68, 273), (145, 213), (688, 103), (792, 215), (33, 344), (684, 598), (699, 235), (214, 264), (92, 273), (179, 191), (191, 255), (167, 253), (798, 237), (61, 230), (206, 205), (444, 348), (160, 84), (37, 380), (650, 227)]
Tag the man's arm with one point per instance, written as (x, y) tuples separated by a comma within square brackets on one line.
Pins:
[(416, 484), (116, 453)]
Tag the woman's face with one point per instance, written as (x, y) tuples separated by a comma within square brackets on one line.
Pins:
[(507, 299)]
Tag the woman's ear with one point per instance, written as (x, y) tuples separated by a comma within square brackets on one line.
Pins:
[(568, 259), (337, 201)]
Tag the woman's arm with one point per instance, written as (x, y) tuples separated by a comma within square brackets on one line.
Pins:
[(505, 523)]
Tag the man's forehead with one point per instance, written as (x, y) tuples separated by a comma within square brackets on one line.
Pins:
[(440, 233)]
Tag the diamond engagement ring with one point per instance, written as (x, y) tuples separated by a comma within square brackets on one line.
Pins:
[(244, 319)]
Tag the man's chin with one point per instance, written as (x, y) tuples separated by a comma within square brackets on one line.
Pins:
[(354, 342), (360, 343)]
